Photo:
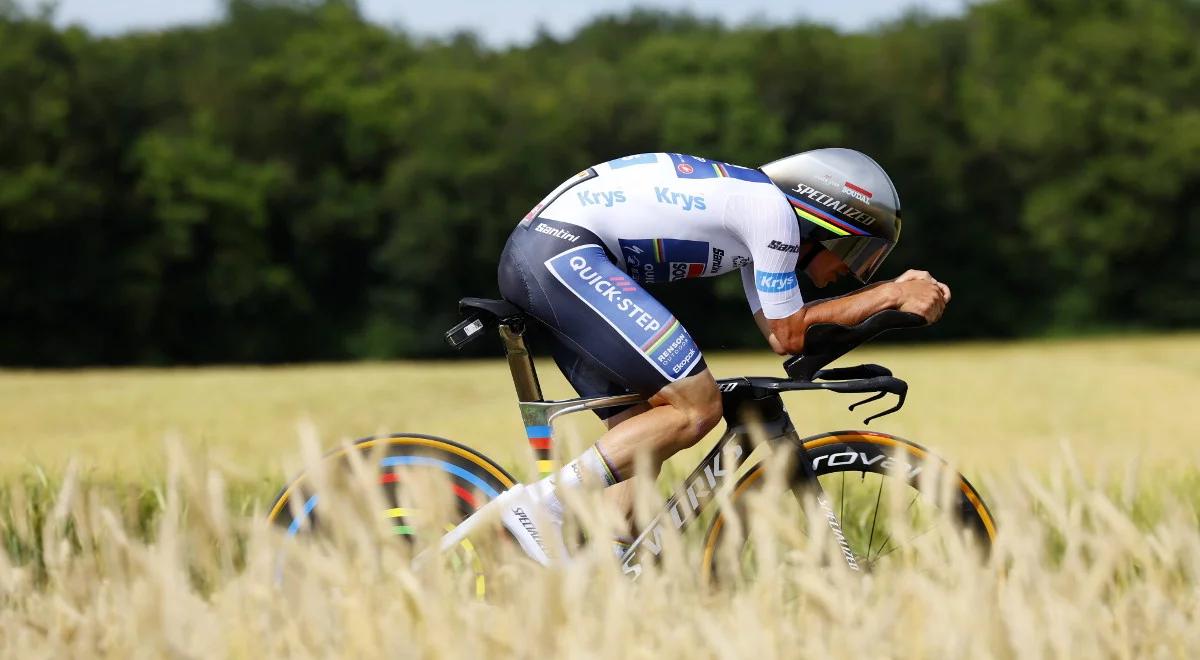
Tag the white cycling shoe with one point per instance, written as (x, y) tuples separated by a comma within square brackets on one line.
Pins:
[(523, 513)]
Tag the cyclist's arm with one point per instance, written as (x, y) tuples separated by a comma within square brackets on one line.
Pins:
[(764, 326), (786, 335), (760, 319), (773, 291), (767, 227), (915, 291)]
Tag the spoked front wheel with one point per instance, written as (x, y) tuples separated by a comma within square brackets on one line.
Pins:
[(889, 495)]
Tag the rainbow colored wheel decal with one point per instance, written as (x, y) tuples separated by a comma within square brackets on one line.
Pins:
[(472, 478)]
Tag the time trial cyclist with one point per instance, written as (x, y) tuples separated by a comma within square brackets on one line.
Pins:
[(580, 259)]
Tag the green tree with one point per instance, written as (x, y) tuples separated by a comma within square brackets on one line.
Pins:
[(293, 182)]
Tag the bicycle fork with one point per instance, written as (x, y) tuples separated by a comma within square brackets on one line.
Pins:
[(835, 523), (807, 479)]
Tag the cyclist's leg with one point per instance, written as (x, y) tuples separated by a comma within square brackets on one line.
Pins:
[(562, 275), (614, 328), (621, 495), (680, 414), (588, 379)]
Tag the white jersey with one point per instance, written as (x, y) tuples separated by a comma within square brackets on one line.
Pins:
[(672, 216)]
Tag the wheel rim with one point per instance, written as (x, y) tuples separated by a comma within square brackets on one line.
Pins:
[(471, 479), (860, 499)]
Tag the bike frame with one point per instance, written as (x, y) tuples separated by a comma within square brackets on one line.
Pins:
[(746, 402)]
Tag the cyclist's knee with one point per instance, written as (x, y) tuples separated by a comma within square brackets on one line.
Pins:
[(698, 399), (706, 413), (702, 415)]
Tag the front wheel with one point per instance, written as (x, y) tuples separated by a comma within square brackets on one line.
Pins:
[(888, 493)]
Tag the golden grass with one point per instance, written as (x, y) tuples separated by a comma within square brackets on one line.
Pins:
[(1098, 554), (1072, 575), (1112, 400)]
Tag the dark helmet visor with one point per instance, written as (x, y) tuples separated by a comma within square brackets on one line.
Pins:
[(862, 254)]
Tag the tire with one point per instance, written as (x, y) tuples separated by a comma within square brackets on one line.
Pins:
[(473, 480), (838, 454)]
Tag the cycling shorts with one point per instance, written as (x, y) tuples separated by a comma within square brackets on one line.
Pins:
[(608, 334)]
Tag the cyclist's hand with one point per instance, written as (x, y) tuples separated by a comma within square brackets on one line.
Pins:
[(911, 275), (922, 296)]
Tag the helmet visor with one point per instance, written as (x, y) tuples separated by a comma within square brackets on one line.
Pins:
[(862, 254)]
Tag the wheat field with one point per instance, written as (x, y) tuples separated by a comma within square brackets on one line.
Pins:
[(1111, 401), (131, 510)]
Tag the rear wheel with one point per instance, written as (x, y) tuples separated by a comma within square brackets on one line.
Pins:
[(428, 485), (889, 494)]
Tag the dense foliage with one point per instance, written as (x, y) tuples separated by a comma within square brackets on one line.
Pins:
[(295, 183)]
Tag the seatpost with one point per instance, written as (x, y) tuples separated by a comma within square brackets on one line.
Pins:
[(520, 363), (535, 414)]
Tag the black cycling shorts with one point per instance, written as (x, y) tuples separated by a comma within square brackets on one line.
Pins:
[(609, 335)]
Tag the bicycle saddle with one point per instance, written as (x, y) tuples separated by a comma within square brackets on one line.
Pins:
[(479, 313), (501, 309)]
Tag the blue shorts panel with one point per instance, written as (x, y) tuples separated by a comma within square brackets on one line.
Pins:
[(611, 334), (628, 309)]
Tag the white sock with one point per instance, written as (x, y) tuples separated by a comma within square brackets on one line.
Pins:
[(591, 463)]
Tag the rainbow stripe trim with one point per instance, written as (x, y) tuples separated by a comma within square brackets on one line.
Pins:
[(612, 475), (539, 436), (720, 169), (540, 439), (653, 343), (823, 219)]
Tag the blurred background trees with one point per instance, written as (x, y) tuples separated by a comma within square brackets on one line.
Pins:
[(295, 183)]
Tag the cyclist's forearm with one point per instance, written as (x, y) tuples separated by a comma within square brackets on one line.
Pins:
[(852, 308), (788, 333)]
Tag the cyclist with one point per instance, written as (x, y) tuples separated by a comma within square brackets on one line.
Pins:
[(578, 262)]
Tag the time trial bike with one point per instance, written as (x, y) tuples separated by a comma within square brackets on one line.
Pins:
[(842, 475)]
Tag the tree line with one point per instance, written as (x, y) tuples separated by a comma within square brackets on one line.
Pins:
[(293, 182)]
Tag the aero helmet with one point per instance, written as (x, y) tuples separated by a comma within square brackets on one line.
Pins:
[(843, 200)]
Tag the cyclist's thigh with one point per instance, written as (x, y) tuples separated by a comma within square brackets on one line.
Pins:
[(594, 309), (587, 377)]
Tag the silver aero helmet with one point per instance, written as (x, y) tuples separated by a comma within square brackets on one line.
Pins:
[(844, 200)]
